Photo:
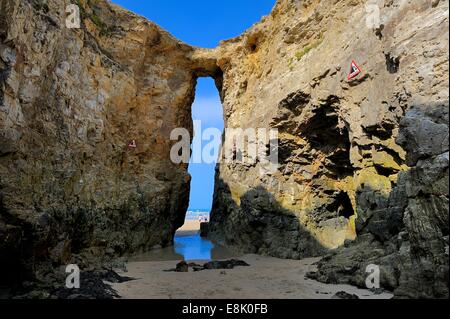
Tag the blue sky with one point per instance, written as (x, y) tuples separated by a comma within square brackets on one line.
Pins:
[(202, 23)]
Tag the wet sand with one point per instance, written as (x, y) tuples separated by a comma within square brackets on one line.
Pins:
[(188, 245), (266, 278)]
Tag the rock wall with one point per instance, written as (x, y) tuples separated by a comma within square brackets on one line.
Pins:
[(407, 237), (71, 102), (364, 159)]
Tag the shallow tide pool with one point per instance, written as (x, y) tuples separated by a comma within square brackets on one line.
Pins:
[(189, 248)]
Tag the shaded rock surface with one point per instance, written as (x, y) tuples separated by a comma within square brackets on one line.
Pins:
[(344, 295), (204, 227), (227, 264), (94, 284)]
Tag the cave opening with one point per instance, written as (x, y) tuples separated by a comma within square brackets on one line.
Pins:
[(207, 116), (207, 113)]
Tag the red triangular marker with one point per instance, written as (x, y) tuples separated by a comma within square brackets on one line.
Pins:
[(132, 144), (354, 71)]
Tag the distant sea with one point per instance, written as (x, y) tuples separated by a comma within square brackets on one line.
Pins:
[(193, 214)]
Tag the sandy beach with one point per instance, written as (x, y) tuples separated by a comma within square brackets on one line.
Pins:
[(266, 278)]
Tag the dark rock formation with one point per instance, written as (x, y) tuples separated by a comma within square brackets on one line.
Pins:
[(182, 267), (408, 237), (344, 295), (215, 264), (204, 229), (227, 264), (94, 284)]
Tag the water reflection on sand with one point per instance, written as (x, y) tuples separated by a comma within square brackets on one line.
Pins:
[(188, 247)]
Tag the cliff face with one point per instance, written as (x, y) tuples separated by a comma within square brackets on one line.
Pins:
[(71, 103), (364, 158), (363, 162)]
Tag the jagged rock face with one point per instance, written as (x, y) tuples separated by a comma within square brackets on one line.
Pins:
[(71, 101), (408, 236), (348, 149)]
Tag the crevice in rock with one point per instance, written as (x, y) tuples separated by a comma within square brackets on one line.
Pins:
[(394, 154), (379, 32), (342, 205), (296, 102), (384, 171), (12, 251), (381, 130), (253, 41), (286, 148), (323, 126), (327, 134), (392, 63)]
